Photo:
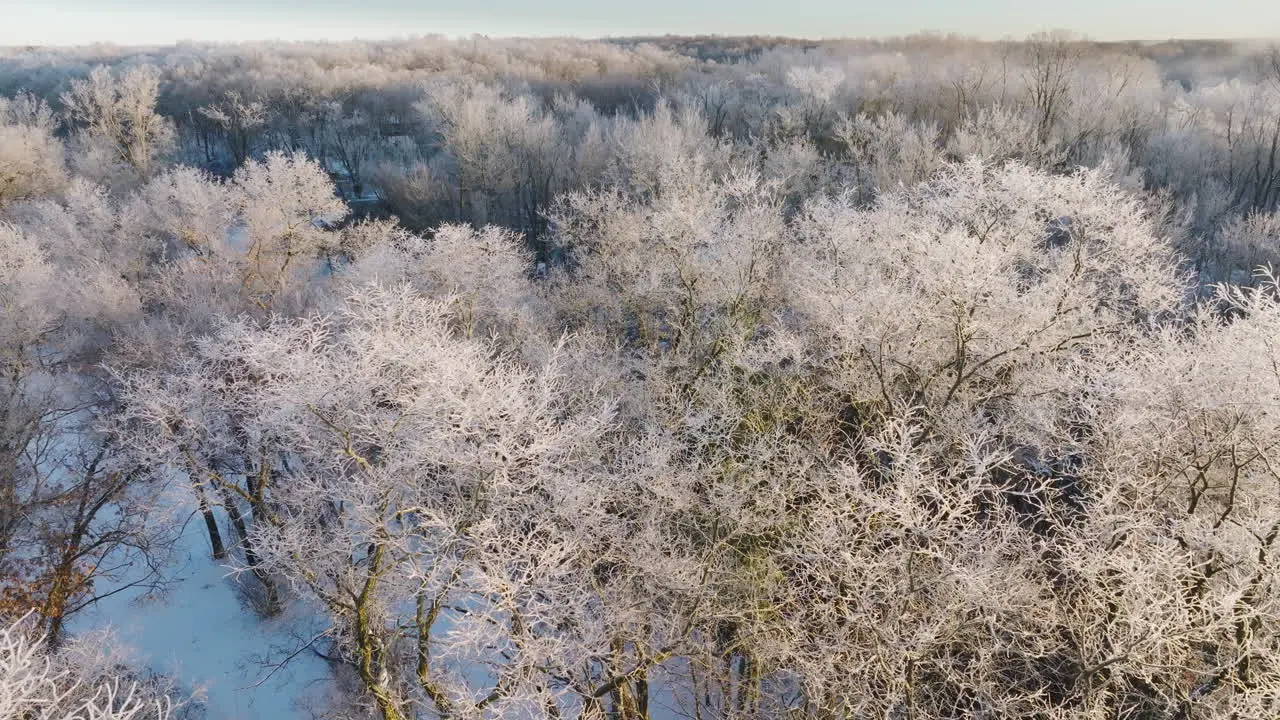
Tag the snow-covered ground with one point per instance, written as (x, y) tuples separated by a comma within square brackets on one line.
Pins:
[(200, 633)]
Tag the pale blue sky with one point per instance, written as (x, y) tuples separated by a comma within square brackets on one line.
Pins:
[(32, 22)]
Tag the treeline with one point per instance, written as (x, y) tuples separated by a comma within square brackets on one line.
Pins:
[(482, 130)]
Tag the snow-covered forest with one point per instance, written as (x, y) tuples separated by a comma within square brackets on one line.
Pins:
[(709, 378)]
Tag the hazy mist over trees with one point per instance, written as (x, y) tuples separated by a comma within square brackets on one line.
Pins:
[(673, 377)]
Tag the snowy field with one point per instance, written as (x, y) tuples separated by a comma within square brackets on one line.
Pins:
[(199, 632)]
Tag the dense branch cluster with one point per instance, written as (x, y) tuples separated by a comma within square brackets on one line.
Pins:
[(598, 380), (76, 682)]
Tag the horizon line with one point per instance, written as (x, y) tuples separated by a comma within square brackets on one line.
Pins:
[(1074, 36)]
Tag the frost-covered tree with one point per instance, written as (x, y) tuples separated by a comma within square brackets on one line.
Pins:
[(487, 273), (31, 158), (74, 523), (72, 683), (1000, 134), (115, 114), (251, 245), (685, 270), (1188, 442), (353, 139), (1000, 279), (1241, 245), (664, 151), (506, 153), (239, 120), (282, 204), (441, 500), (1051, 61), (889, 151)]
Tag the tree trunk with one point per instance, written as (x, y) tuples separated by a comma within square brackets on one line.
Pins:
[(210, 522), (55, 605), (232, 505)]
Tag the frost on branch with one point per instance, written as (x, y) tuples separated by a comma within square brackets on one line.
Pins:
[(435, 497), (37, 685), (120, 137), (986, 286), (32, 162), (486, 272)]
